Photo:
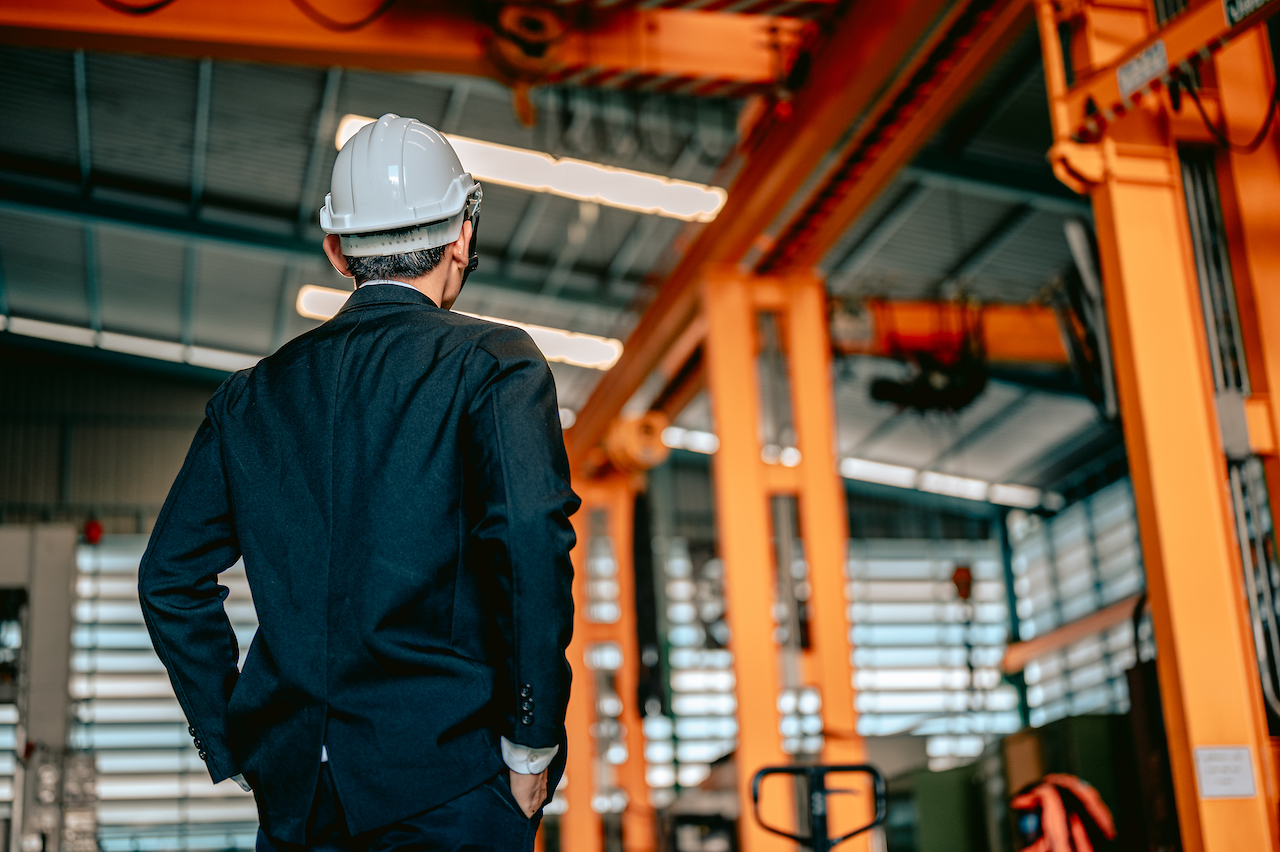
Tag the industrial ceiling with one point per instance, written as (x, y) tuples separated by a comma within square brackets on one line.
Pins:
[(175, 200)]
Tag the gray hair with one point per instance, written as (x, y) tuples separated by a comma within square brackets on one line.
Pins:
[(397, 267)]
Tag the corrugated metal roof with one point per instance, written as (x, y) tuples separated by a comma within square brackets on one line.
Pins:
[(917, 440), (135, 275), (37, 99), (141, 117), (1024, 266), (43, 262), (262, 135), (261, 129), (236, 302)]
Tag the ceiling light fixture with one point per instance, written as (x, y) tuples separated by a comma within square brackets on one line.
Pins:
[(577, 179), (566, 347), (1002, 494), (879, 472), (690, 439), (1020, 496), (953, 486), (128, 344)]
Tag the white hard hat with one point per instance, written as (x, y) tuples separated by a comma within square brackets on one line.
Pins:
[(397, 174)]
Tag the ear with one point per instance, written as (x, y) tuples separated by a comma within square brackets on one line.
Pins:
[(333, 248), (460, 249)]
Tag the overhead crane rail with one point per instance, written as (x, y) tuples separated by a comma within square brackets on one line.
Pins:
[(661, 50)]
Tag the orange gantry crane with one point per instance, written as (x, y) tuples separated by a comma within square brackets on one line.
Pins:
[(1161, 113)]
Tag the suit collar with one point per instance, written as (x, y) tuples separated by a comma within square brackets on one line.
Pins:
[(386, 294)]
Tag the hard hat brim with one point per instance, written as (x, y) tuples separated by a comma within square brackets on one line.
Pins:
[(428, 236), (410, 236)]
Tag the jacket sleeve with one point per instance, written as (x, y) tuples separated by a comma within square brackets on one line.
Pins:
[(182, 603), (519, 478)]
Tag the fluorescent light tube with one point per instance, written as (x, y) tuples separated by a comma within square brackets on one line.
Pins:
[(320, 303), (161, 350), (220, 359), (885, 474), (578, 179), (1021, 496), (953, 486), (568, 347), (690, 439), (145, 347), (53, 331)]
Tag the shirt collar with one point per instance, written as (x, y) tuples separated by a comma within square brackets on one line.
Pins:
[(404, 294), (387, 281)]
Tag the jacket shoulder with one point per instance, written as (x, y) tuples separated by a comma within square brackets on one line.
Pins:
[(504, 343), (227, 393)]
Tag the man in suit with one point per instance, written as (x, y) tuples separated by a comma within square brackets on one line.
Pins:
[(396, 483)]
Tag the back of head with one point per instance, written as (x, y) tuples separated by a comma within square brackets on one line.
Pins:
[(398, 189)]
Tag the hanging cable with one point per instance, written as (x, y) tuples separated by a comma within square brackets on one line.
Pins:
[(128, 9), (340, 26), (303, 6), (1220, 134)]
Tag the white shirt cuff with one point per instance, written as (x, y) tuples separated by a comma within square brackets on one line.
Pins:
[(525, 760), (244, 785)]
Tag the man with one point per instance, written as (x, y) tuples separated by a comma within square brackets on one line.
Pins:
[(396, 483)]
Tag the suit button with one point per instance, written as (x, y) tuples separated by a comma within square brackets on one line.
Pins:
[(191, 729), (204, 756), (199, 745), (527, 705), (526, 719), (526, 691)]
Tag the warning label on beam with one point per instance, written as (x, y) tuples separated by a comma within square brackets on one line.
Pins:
[(1238, 10), (1225, 772), (1142, 69)]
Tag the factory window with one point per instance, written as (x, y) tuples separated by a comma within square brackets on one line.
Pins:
[(702, 726), (926, 661), (153, 790), (1066, 567)]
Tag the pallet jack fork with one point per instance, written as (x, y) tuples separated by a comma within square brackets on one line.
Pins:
[(815, 776)]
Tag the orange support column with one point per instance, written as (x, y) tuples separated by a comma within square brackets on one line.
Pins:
[(742, 518), (1209, 679), (1251, 185), (605, 659), (1208, 676), (824, 527), (745, 486), (580, 827)]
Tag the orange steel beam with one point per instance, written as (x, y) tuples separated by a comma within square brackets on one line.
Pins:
[(905, 117), (691, 381), (1097, 98), (1013, 333), (1017, 655), (848, 73), (740, 52), (1023, 334), (1209, 678)]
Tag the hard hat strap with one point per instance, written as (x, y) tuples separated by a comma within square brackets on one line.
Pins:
[(473, 213)]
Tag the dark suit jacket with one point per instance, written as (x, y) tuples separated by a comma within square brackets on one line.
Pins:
[(396, 481)]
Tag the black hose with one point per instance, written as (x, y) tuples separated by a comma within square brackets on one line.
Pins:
[(128, 9), (340, 26), (1220, 135)]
